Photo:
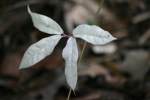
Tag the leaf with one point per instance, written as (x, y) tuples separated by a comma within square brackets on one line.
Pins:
[(70, 54), (38, 51), (44, 23), (93, 34)]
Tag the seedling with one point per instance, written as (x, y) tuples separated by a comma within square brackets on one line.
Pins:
[(41, 49)]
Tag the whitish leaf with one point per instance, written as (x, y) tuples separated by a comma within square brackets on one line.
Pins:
[(70, 54), (93, 34), (45, 24), (39, 51)]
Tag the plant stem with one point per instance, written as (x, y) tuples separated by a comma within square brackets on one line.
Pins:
[(69, 94), (82, 52), (100, 7)]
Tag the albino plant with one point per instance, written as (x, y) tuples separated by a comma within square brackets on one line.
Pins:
[(38, 51)]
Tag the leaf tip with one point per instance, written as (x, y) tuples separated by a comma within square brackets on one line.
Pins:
[(114, 38), (72, 85), (22, 66), (28, 8)]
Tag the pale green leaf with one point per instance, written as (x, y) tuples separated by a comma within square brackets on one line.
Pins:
[(93, 34), (70, 54), (44, 23), (39, 50)]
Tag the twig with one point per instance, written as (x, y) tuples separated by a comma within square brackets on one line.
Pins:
[(100, 7), (85, 44), (82, 52)]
